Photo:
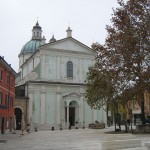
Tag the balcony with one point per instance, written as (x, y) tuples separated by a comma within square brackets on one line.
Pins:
[(3, 106)]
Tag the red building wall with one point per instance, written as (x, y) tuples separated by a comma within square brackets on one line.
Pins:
[(7, 95)]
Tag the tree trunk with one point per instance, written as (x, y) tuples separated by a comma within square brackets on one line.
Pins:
[(142, 109), (142, 112)]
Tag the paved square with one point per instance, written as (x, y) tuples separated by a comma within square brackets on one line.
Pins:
[(75, 139)]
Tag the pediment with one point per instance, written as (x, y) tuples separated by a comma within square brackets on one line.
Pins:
[(72, 95), (69, 44)]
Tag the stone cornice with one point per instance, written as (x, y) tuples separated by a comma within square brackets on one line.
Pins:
[(57, 83)]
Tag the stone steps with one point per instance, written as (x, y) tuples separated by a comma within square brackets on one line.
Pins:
[(121, 144), (136, 148), (147, 145), (118, 137)]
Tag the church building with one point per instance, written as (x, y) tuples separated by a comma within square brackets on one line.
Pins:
[(53, 75)]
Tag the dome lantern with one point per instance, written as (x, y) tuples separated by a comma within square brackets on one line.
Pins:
[(37, 32)]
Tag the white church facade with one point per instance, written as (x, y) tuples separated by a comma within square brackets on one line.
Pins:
[(54, 77)]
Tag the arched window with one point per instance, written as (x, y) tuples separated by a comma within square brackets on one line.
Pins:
[(69, 69)]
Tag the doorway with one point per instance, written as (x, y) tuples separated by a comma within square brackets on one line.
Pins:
[(73, 113), (18, 114), (72, 116), (3, 126)]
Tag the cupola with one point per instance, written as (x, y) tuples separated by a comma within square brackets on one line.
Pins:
[(37, 32), (52, 39)]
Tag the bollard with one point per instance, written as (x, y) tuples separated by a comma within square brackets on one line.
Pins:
[(35, 129), (52, 128)]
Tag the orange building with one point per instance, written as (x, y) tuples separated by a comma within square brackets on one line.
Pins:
[(7, 95)]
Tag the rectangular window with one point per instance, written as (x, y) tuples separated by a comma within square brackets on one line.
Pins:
[(69, 69), (1, 74), (1, 97), (7, 100), (8, 79), (12, 82), (11, 101)]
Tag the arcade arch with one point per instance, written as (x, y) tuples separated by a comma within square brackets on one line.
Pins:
[(18, 114)]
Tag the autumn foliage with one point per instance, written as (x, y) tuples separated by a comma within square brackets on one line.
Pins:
[(122, 68)]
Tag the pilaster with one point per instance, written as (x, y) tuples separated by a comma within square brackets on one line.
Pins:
[(58, 68), (30, 107), (58, 106), (81, 70), (81, 111), (43, 67), (43, 103)]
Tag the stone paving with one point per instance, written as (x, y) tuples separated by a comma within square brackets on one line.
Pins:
[(75, 139)]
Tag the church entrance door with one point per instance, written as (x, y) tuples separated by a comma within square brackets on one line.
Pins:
[(72, 113), (72, 116)]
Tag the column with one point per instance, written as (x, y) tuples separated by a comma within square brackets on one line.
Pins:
[(68, 116), (77, 117)]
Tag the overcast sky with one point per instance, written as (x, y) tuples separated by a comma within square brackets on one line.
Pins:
[(88, 19)]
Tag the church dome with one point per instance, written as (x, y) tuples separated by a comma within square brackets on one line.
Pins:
[(31, 46)]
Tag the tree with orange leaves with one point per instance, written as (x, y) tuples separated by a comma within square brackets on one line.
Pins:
[(122, 68)]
